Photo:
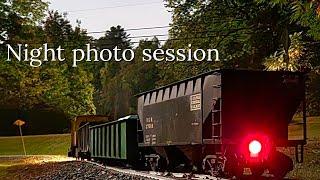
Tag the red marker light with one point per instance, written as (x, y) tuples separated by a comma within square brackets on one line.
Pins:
[(255, 147)]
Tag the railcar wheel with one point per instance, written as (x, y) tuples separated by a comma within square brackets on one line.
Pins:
[(279, 174), (280, 165), (257, 171), (233, 168), (214, 165), (153, 165), (156, 163)]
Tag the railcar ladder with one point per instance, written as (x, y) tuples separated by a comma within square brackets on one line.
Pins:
[(216, 115)]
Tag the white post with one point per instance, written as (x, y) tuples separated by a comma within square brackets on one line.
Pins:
[(24, 149)]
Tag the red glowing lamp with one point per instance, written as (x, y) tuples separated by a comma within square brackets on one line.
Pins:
[(255, 147)]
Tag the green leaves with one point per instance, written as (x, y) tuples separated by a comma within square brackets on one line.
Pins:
[(243, 38), (72, 89), (17, 15), (113, 92), (31, 11), (305, 13), (54, 85)]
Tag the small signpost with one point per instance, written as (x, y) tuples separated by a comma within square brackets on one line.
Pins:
[(21, 123)]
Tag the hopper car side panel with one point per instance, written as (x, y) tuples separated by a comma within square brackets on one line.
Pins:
[(173, 115), (219, 107)]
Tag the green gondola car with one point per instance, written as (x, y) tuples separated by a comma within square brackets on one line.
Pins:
[(115, 140)]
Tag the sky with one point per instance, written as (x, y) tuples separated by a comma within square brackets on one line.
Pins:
[(100, 15)]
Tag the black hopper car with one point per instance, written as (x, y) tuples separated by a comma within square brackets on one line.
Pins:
[(219, 122)]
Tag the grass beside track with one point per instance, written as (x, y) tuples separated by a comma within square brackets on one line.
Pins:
[(35, 145), (313, 128), (310, 168)]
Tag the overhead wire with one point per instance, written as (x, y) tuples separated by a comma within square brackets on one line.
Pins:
[(132, 29), (155, 35), (109, 7), (162, 27)]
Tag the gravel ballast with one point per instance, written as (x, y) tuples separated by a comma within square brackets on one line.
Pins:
[(66, 170)]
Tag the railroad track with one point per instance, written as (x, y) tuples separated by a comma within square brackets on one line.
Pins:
[(156, 175), (143, 174)]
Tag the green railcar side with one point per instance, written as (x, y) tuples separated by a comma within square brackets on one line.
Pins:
[(115, 140)]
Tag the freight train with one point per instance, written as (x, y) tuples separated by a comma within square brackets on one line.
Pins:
[(219, 122)]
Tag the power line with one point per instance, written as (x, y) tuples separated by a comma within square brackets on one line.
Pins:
[(158, 35), (108, 7), (146, 36), (149, 28), (160, 40), (133, 29), (161, 27)]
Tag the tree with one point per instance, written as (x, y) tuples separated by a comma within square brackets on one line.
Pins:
[(141, 75), (19, 17), (74, 89), (18, 25), (112, 91), (243, 39), (305, 13), (122, 80), (295, 54), (54, 85)]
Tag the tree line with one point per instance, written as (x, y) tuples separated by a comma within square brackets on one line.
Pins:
[(256, 34)]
